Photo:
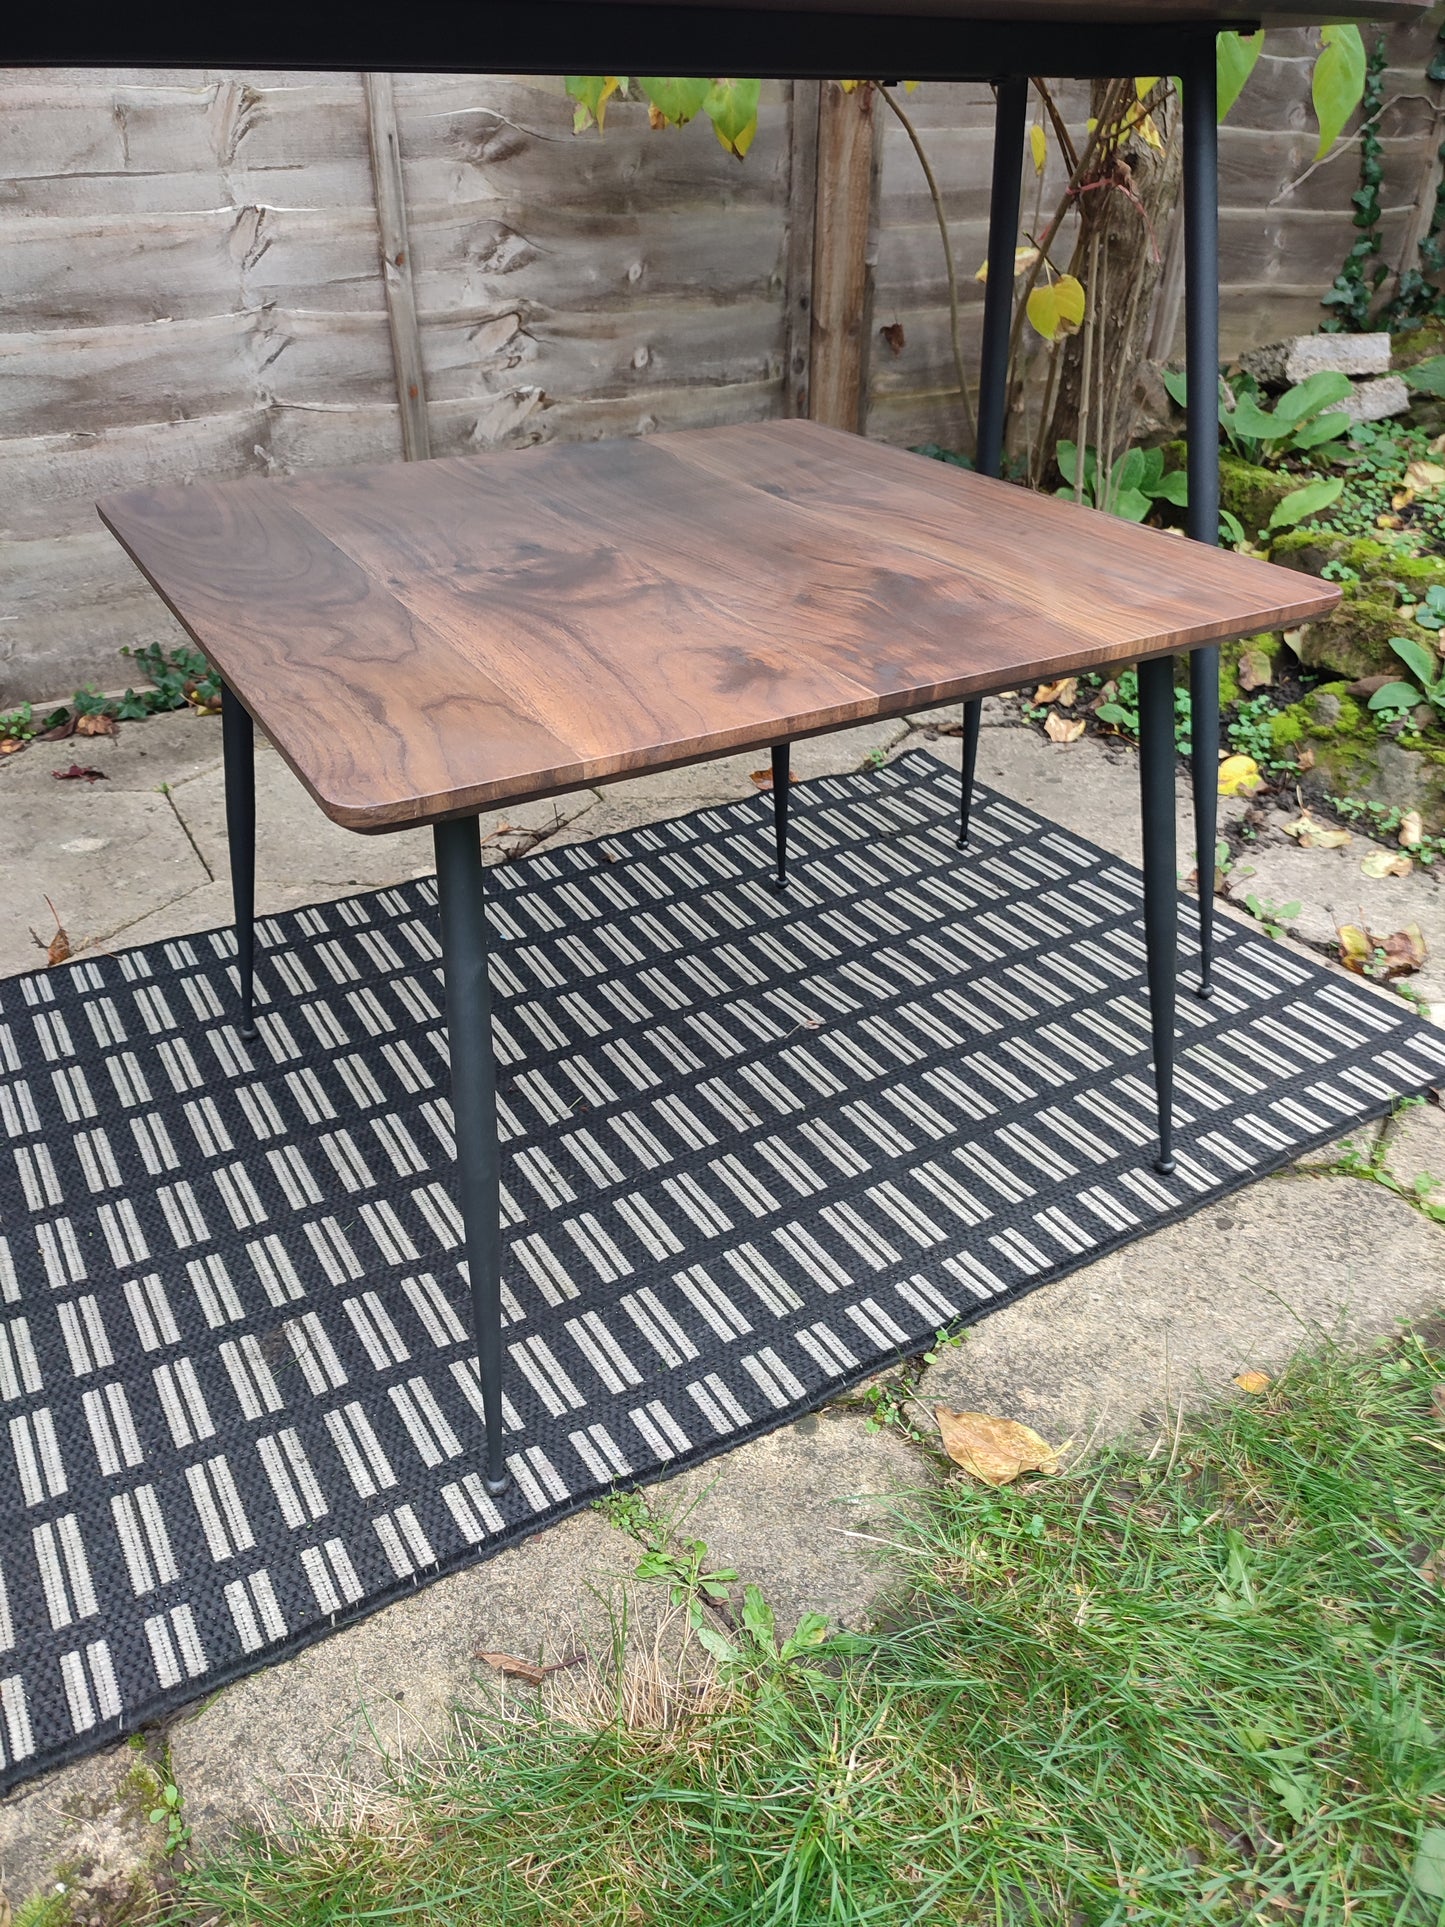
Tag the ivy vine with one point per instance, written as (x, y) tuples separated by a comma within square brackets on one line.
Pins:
[(1419, 295), (1358, 282)]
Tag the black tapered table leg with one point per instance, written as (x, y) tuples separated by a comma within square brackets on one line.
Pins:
[(998, 304), (1156, 779), (1201, 323), (474, 1107), (972, 723), (781, 782), (238, 746)]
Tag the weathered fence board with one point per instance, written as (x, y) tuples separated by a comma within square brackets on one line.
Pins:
[(192, 282)]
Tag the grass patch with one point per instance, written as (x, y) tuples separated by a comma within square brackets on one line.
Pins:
[(1203, 1687)]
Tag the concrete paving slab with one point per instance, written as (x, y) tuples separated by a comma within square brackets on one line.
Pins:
[(1090, 787), (1240, 1285), (103, 857), (1415, 1145), (725, 779), (82, 1836), (140, 756), (297, 846), (1331, 889), (780, 1510)]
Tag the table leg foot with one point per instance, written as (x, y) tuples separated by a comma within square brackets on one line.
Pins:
[(474, 1107), (238, 748), (782, 780), (972, 722), (1161, 890)]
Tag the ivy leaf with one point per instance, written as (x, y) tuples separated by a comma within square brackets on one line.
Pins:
[(1057, 309), (677, 101), (1039, 147), (592, 93), (1309, 500), (1235, 58), (1338, 84), (732, 107)]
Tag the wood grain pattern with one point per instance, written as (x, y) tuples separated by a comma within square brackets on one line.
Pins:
[(432, 639)]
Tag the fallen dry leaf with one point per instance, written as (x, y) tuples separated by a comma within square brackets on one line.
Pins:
[(1424, 477), (1437, 1402), (95, 726), (1256, 671), (1412, 829), (1313, 835), (9, 745), (1239, 776), (1253, 1382), (764, 778), (1059, 729), (57, 951), (893, 334), (1386, 863), (1396, 955), (1063, 691), (511, 1667), (1433, 1569), (77, 772), (995, 1450), (1306, 757)]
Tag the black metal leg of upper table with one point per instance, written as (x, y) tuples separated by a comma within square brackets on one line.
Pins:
[(781, 782), (474, 1106), (1161, 890), (998, 301), (238, 747), (1201, 321)]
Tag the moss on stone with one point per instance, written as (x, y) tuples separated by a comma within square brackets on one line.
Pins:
[(1250, 492), (1286, 728), (1354, 640)]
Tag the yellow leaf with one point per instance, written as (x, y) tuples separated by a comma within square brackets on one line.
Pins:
[(1253, 1382), (995, 1450), (1386, 863), (1239, 776), (1059, 730), (1063, 691), (1424, 477), (1149, 128), (1412, 829), (1311, 835), (1039, 143), (1057, 309), (1024, 259), (1355, 947), (910, 86), (1145, 86), (849, 85)]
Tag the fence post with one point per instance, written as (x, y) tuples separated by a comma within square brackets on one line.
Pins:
[(396, 266), (849, 163), (802, 230)]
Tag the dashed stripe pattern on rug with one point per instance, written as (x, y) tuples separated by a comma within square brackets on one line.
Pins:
[(755, 1147)]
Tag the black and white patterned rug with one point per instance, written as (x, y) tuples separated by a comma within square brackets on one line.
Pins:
[(755, 1149)]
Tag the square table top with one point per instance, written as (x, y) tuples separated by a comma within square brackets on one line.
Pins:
[(431, 639)]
